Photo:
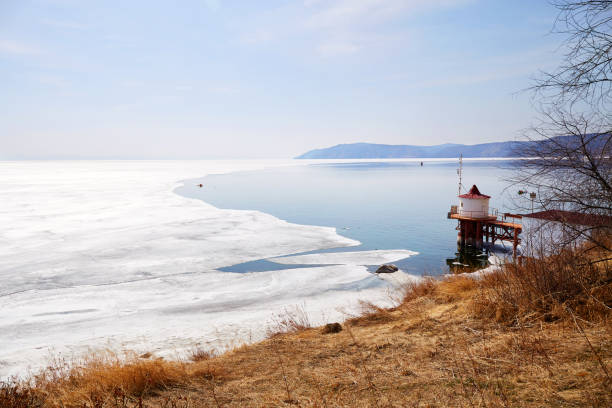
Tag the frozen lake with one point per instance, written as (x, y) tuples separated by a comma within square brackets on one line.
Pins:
[(106, 254), (383, 205)]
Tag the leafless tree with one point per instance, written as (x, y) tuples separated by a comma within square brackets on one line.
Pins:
[(585, 73), (571, 171), (568, 155)]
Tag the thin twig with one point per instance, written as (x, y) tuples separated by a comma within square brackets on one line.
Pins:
[(599, 359)]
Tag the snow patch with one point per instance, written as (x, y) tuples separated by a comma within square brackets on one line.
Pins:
[(102, 254), (375, 257)]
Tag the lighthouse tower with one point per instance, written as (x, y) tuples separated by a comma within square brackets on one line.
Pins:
[(475, 222), (473, 215), (474, 204)]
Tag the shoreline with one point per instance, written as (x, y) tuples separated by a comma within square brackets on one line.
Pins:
[(444, 342), (127, 243), (104, 316)]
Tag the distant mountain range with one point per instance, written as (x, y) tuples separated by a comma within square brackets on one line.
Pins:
[(383, 151)]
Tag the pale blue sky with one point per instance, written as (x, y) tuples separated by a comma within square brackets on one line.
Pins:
[(252, 79)]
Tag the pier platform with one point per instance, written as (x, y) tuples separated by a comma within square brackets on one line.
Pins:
[(476, 230)]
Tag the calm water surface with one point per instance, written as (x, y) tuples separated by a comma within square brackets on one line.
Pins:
[(389, 205)]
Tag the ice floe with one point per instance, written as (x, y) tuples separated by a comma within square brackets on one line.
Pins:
[(375, 257), (98, 254)]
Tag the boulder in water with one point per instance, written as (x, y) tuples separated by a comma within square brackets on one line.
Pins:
[(387, 268)]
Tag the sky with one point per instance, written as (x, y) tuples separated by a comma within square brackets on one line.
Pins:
[(208, 79)]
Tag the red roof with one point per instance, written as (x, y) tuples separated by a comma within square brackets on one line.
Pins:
[(572, 217), (474, 193)]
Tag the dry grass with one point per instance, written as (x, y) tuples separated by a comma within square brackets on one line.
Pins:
[(445, 345), (102, 380), (554, 288), (292, 320), (16, 395), (199, 354)]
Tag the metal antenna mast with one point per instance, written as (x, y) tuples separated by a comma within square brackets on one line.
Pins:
[(460, 173)]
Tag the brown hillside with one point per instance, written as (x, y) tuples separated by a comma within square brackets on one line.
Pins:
[(529, 336)]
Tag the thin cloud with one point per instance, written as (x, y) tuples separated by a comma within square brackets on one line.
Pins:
[(224, 90), (258, 36), (483, 70), (330, 49), (183, 88), (334, 27), (124, 107), (71, 25), (16, 48), (213, 4), (52, 80), (342, 13)]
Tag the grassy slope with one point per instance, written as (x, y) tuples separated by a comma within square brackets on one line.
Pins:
[(449, 343), (430, 351)]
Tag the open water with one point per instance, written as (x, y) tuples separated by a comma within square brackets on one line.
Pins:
[(383, 205)]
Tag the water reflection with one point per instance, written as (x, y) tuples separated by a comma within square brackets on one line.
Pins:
[(468, 259), (390, 205)]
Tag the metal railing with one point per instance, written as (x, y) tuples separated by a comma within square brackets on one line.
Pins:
[(492, 213)]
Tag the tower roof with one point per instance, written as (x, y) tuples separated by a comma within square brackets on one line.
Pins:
[(474, 193)]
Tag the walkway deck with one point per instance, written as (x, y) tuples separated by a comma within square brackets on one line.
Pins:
[(489, 220)]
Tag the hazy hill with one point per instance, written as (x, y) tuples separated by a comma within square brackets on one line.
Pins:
[(383, 151)]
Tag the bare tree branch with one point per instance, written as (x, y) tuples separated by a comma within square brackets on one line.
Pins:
[(586, 72)]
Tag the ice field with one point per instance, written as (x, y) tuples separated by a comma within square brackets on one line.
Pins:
[(103, 254)]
